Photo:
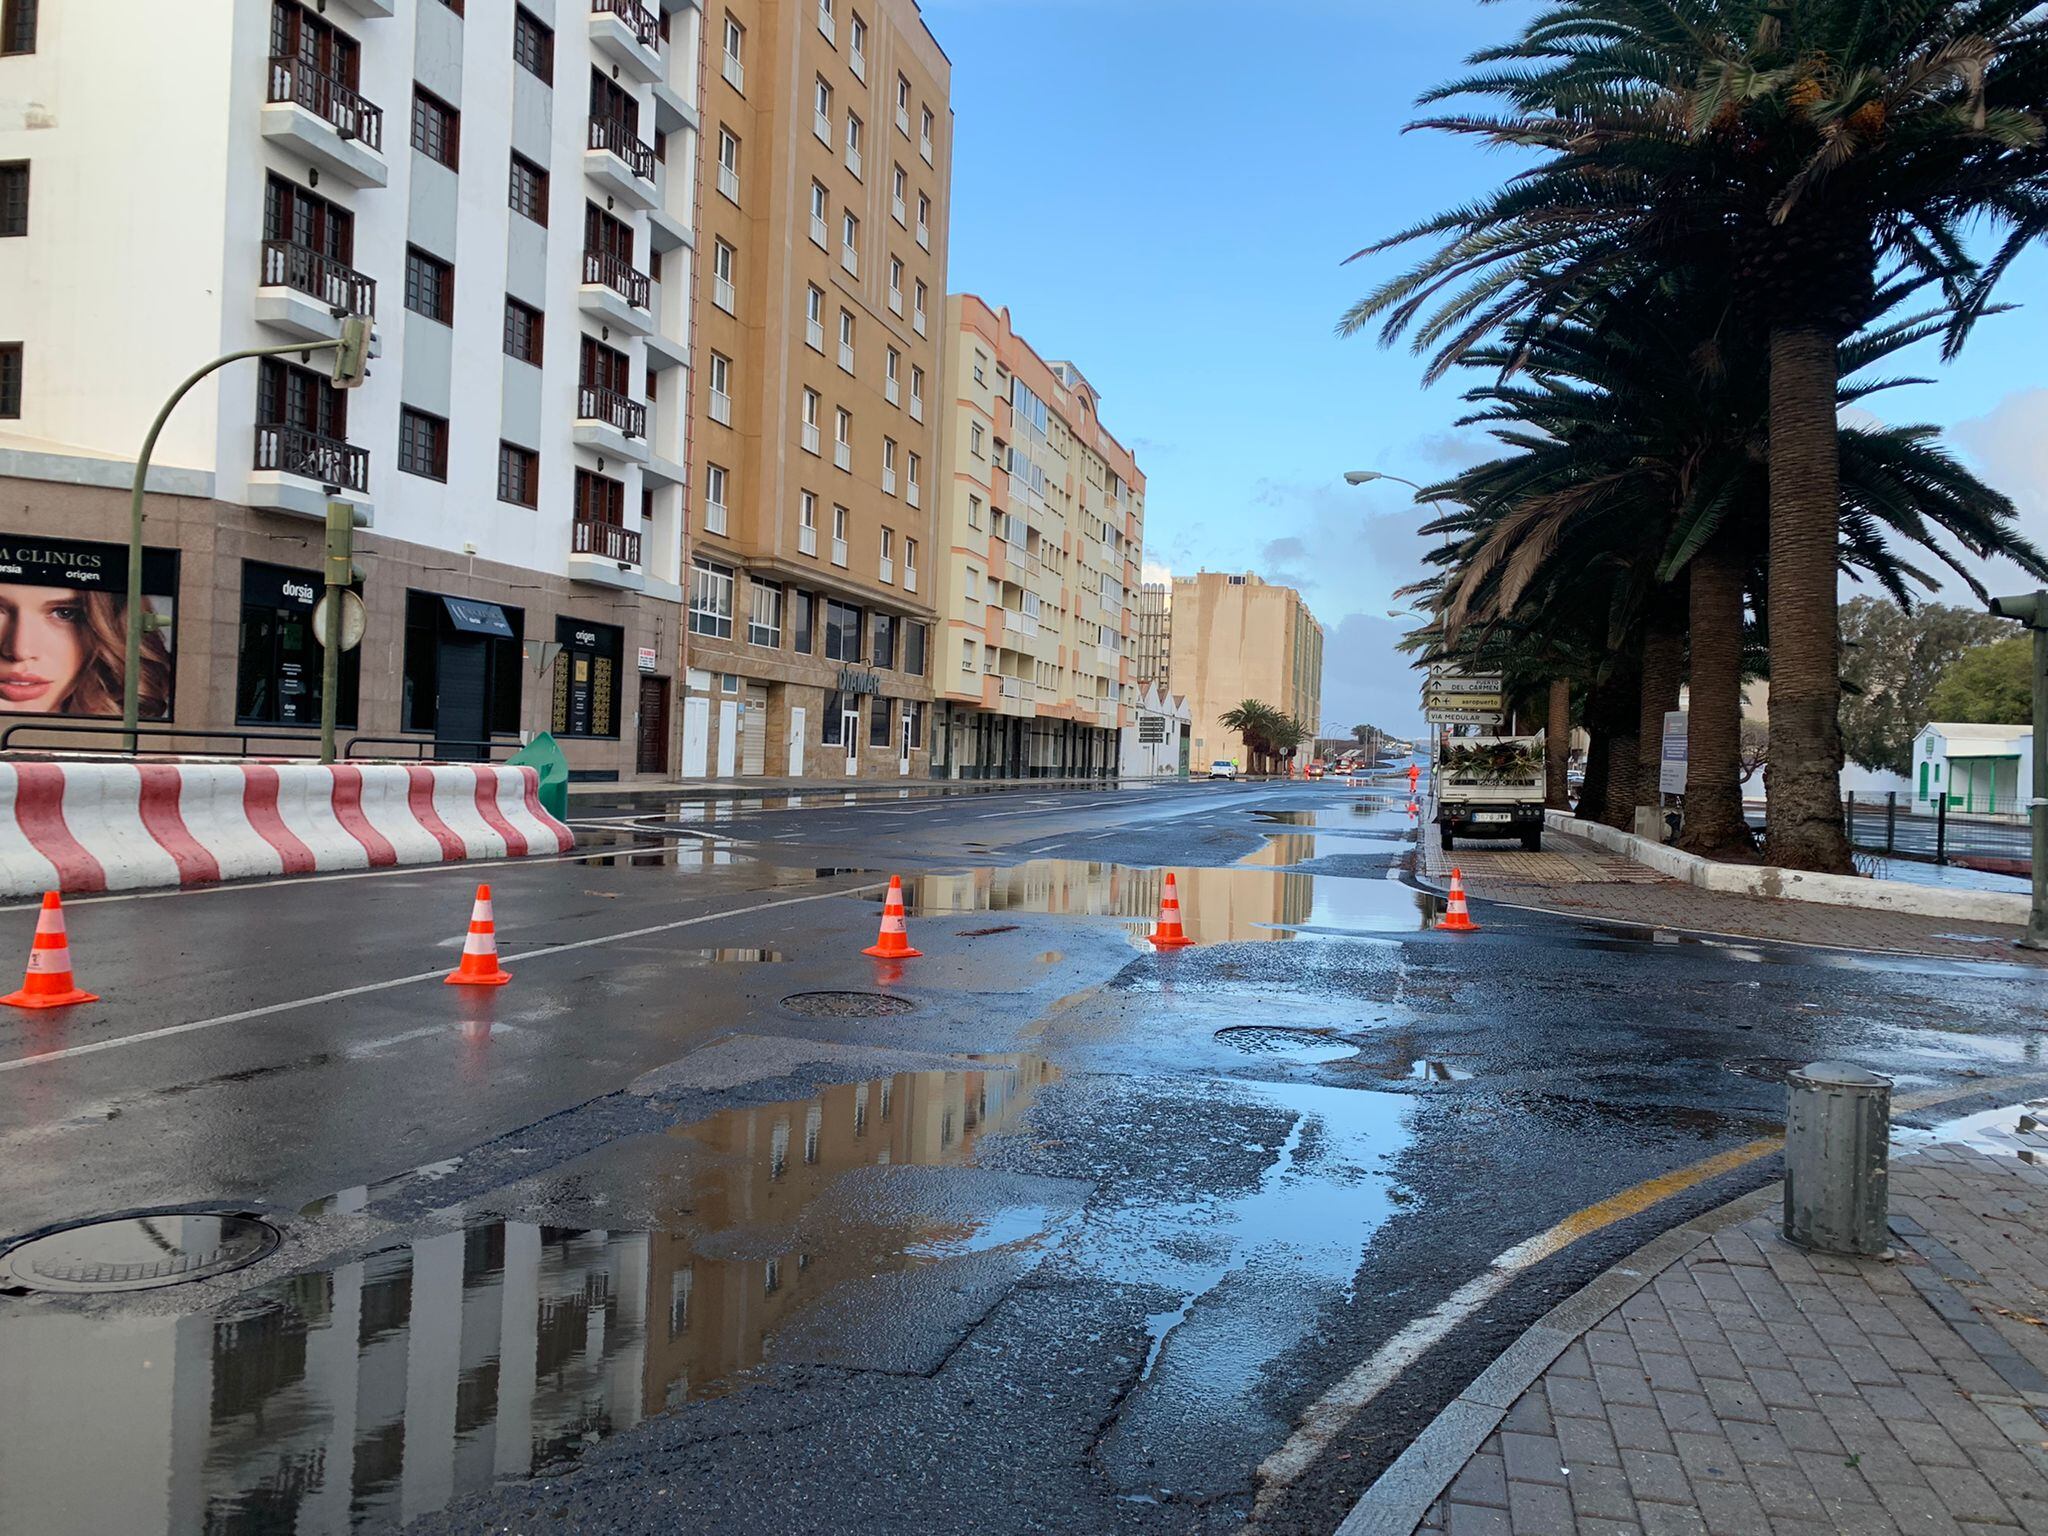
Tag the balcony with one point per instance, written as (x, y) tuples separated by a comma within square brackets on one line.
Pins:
[(842, 455), (629, 34), (910, 578), (846, 356), (606, 555), (608, 422), (814, 335), (888, 570), (888, 481), (723, 296), (911, 493), (614, 294), (293, 468), (812, 440), (917, 322), (618, 161), (806, 541), (721, 407), (839, 553), (735, 73), (917, 407), (317, 118), (889, 392), (1013, 688), (729, 183), (853, 159), (304, 293), (849, 258)]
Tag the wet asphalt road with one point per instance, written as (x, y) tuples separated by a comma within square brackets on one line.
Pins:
[(1067, 1240)]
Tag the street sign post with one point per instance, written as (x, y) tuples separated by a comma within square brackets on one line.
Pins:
[(1671, 766), (1462, 716), (1462, 699)]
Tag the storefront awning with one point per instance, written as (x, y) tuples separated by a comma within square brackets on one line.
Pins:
[(478, 618)]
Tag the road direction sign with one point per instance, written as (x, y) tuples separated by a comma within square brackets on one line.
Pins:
[(1461, 698), (1476, 682), (1462, 716)]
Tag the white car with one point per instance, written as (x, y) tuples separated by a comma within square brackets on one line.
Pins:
[(1223, 768)]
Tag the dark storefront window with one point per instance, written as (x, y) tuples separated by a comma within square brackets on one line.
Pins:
[(800, 620), (884, 653), (842, 631), (913, 649), (916, 714), (462, 671), (832, 731), (277, 668), (879, 716), (587, 678)]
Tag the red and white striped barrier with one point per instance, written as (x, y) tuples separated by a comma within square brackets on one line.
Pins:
[(84, 827)]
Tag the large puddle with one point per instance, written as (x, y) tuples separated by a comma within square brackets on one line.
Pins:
[(1218, 906), (377, 1390)]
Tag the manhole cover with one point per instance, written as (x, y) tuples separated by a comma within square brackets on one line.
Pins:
[(138, 1253), (846, 1005), (1266, 1039)]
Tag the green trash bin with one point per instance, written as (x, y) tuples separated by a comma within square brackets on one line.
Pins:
[(543, 753)]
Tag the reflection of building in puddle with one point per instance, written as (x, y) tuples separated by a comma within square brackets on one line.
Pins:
[(376, 1391)]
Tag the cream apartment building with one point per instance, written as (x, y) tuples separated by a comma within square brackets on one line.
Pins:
[(507, 190), (1236, 638), (1043, 529), (822, 218)]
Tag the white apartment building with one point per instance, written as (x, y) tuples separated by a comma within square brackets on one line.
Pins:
[(1044, 524), (507, 186)]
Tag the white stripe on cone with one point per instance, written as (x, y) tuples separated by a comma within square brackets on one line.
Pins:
[(49, 962)]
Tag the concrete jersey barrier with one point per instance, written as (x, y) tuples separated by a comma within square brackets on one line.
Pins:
[(88, 827)]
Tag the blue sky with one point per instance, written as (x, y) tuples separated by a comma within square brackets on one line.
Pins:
[(1164, 191)]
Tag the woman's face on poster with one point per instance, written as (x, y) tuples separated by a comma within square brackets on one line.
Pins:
[(42, 646)]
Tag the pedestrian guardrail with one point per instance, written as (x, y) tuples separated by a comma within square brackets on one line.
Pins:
[(1996, 841)]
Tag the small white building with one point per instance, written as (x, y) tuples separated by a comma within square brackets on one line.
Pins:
[(1982, 769), (1156, 745)]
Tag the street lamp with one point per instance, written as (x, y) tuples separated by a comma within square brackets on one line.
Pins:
[(1367, 476)]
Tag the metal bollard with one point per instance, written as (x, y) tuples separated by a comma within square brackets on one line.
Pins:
[(1837, 1132)]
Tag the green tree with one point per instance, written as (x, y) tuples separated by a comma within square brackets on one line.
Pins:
[(1268, 733), (1891, 661), (1990, 685)]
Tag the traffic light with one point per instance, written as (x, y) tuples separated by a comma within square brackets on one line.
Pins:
[(2030, 610), (343, 519), (352, 358)]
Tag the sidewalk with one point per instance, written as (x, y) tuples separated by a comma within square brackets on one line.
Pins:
[(1578, 879), (1734, 1385)]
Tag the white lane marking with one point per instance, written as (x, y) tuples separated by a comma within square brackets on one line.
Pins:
[(95, 1047)]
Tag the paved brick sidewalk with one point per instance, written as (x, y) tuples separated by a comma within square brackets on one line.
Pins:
[(1753, 1390), (1575, 877)]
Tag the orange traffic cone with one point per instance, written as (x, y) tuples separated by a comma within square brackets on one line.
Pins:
[(1456, 918), (480, 966), (1169, 934), (49, 982), (894, 944)]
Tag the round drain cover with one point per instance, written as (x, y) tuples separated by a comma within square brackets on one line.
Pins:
[(138, 1253), (846, 1005), (1265, 1038)]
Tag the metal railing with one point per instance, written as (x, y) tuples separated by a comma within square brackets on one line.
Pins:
[(607, 270), (612, 408), (293, 80), (2000, 843), (427, 748), (608, 541), (295, 451), (611, 134), (301, 268), (645, 25), (147, 736)]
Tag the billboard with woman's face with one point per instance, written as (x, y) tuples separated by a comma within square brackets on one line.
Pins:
[(64, 627)]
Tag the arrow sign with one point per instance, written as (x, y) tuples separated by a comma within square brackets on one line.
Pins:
[(1478, 682), (1462, 716), (1462, 699)]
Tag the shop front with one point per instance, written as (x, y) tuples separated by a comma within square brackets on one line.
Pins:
[(279, 659)]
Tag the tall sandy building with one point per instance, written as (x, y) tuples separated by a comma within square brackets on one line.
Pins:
[(1044, 525), (827, 153), (1236, 638)]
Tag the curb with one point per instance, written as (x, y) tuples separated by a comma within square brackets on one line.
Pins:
[(1399, 1498)]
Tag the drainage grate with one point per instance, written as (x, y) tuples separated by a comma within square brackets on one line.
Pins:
[(138, 1253), (1264, 1039), (846, 1005)]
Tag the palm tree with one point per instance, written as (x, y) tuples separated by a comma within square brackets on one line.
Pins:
[(1268, 733), (1813, 149)]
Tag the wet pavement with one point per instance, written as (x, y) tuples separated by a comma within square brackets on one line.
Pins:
[(707, 1219)]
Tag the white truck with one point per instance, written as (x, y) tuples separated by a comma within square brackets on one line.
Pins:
[(1489, 787)]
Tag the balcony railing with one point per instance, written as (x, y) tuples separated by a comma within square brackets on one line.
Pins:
[(609, 133), (608, 541), (806, 540), (646, 26), (293, 80), (295, 451), (607, 270), (611, 408), (311, 272)]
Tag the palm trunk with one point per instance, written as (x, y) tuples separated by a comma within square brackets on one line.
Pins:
[(1614, 740), (1663, 671), (1557, 734), (1714, 825), (1803, 778)]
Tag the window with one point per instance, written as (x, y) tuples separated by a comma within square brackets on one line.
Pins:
[(807, 525), (586, 678), (429, 286), (853, 133), (800, 622), (924, 135), (857, 47), (600, 499), (917, 308), (14, 198), (888, 566), (426, 625), (764, 614), (839, 515), (820, 235), (436, 128), (981, 368), (973, 594), (277, 674), (913, 636), (524, 330), (810, 427), (889, 373), (975, 437), (286, 396), (533, 44), (903, 105), (916, 393), (849, 245), (821, 110), (721, 389), (842, 438), (832, 729), (734, 64), (422, 444), (814, 319), (17, 26), (729, 165), (924, 221), (896, 284), (710, 599), (518, 475), (912, 478), (842, 631), (10, 380), (899, 184), (878, 722), (715, 481), (826, 24), (973, 519), (724, 262), (529, 190), (846, 339), (967, 649), (889, 466)]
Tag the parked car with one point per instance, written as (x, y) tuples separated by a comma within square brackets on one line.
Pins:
[(1223, 768), (1315, 770)]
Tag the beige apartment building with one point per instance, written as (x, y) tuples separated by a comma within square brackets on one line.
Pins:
[(1238, 638), (1043, 525), (822, 218), (1155, 633)]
